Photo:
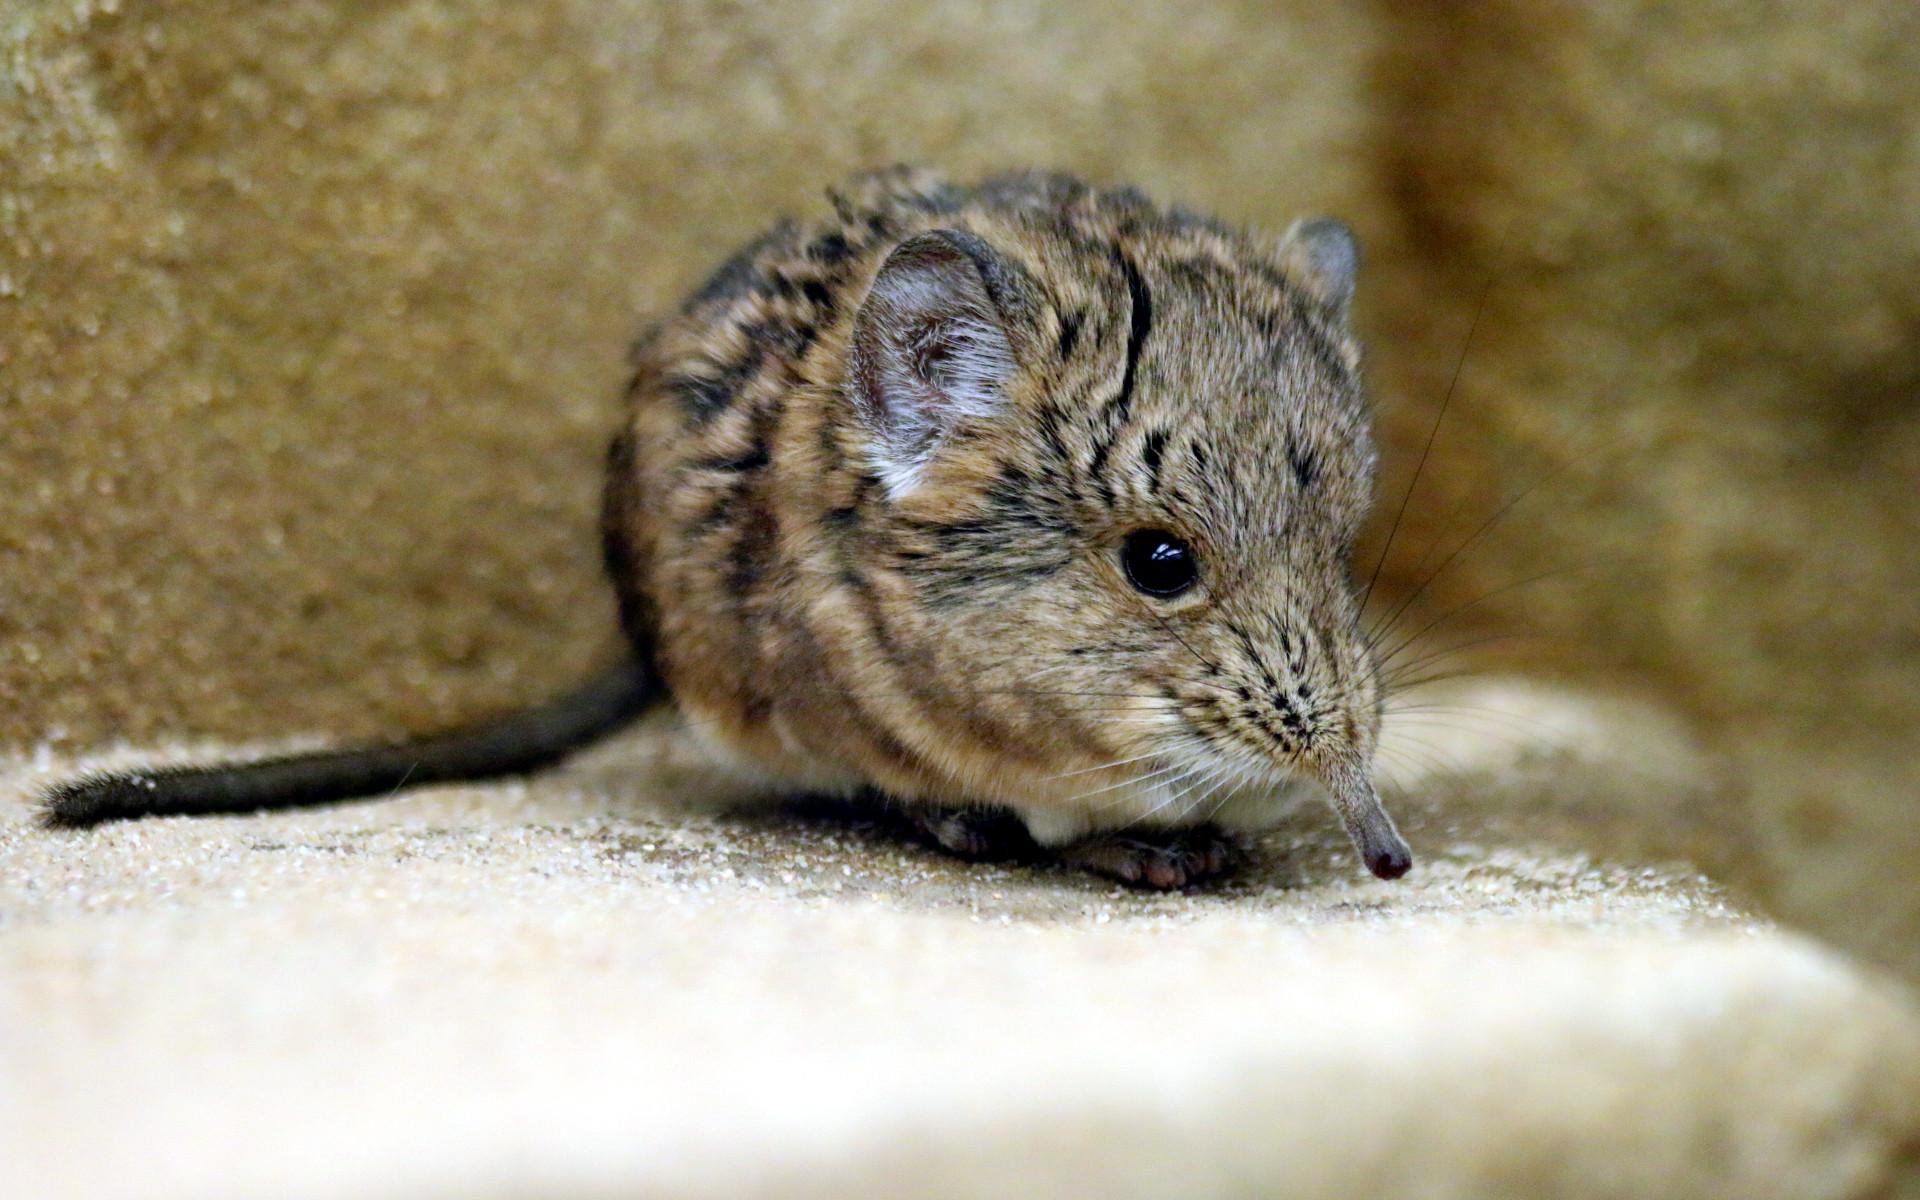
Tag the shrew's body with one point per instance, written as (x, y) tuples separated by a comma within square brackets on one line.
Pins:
[(1017, 499)]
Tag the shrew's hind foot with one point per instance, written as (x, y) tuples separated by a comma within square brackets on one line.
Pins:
[(1158, 859), (978, 834)]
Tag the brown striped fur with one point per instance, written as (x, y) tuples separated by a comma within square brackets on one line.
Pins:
[(971, 640)]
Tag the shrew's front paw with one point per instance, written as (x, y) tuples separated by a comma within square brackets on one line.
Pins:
[(1160, 859), (978, 834)]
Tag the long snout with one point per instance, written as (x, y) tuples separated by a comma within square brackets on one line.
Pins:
[(1358, 802)]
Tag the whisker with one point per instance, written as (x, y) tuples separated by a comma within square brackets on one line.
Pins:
[(1483, 597), (1106, 766), (1396, 755), (1439, 654), (1378, 633), (1131, 779), (1440, 677), (1165, 746), (1198, 657), (1513, 739), (1179, 780), (1218, 780), (1423, 714), (1195, 787), (1446, 401), (1446, 765)]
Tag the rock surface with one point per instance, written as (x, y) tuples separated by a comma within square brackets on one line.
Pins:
[(312, 319), (589, 985)]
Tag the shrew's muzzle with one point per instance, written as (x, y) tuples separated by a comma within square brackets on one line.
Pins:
[(1380, 845)]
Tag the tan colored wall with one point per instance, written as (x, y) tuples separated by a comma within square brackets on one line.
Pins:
[(311, 319), (1704, 337)]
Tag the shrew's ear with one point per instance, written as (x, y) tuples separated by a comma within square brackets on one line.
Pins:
[(930, 348), (1324, 256)]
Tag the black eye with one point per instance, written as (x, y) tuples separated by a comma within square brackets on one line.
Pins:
[(1158, 563)]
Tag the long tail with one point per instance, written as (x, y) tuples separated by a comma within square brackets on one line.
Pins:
[(512, 744)]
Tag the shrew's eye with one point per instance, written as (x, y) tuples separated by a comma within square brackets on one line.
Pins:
[(1158, 563)]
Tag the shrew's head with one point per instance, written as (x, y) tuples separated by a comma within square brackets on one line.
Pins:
[(1124, 462)]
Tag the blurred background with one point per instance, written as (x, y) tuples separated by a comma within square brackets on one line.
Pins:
[(312, 320)]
